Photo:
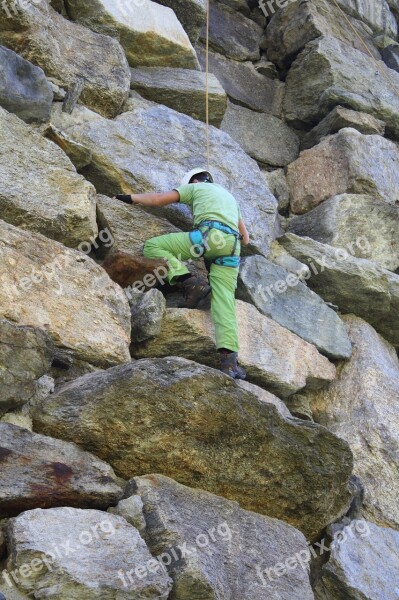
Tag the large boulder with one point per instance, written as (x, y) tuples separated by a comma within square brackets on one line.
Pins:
[(39, 187), (266, 348), (361, 407), (196, 425), (46, 285), (222, 560), (244, 85), (264, 137), (347, 162), (150, 34), (172, 143), (329, 72), (292, 27), (24, 89), (183, 90), (283, 297), (191, 14), (69, 52), (40, 472), (355, 285), (76, 554), (364, 563), (25, 355), (342, 220), (232, 34)]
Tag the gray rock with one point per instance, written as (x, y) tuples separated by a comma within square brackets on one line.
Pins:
[(24, 89), (231, 552), (277, 182), (285, 299), (147, 311), (78, 155), (264, 137), (267, 68), (182, 419), (355, 285), (41, 472), (328, 73), (232, 34), (369, 226), (339, 118), (151, 35), (264, 396), (67, 51), (361, 407), (131, 509), (375, 13), (29, 199), (191, 14), (382, 41), (81, 554), (183, 90), (345, 163), (244, 85), (173, 143), (390, 56), (241, 6), (25, 355), (364, 563)]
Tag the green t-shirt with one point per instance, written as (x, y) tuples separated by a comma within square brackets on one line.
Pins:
[(210, 202)]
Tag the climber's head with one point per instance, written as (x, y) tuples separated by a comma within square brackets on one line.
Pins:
[(197, 176)]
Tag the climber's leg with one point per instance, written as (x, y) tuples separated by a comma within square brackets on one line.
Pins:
[(223, 282), (174, 248)]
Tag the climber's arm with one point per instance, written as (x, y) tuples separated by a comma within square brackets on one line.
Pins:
[(150, 199), (244, 232)]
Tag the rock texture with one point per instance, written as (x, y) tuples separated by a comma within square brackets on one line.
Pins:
[(147, 310), (376, 13), (41, 472), (329, 73), (283, 297), (67, 52), (171, 144), (78, 155), (390, 56), (229, 549), (368, 226), (81, 554), (361, 407), (39, 187), (25, 355), (97, 329), (365, 564), (150, 35), (191, 14), (196, 425), (265, 348), (126, 270), (264, 137), (183, 90), (347, 162), (24, 89)]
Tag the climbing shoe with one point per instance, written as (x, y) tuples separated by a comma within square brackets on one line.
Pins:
[(230, 366), (194, 290)]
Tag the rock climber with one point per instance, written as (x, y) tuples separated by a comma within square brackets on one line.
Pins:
[(217, 235)]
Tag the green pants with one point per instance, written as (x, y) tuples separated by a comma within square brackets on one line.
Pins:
[(176, 248)]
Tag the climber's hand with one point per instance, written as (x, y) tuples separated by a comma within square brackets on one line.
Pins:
[(127, 198)]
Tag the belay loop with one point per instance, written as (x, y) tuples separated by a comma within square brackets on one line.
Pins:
[(198, 239)]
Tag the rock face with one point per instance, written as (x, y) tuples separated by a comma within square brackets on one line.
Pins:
[(147, 311), (347, 162), (356, 285), (97, 330), (209, 526), (78, 155), (390, 56), (191, 14), (126, 270), (285, 299), (196, 425), (328, 73), (183, 90), (265, 348), (277, 182), (81, 554), (232, 34), (361, 407), (264, 137), (339, 118), (24, 89), (173, 143), (39, 187), (41, 472), (151, 35), (345, 219), (374, 571), (244, 84), (25, 355), (292, 27), (375, 13), (67, 51)]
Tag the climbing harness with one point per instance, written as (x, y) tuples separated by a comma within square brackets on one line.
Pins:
[(198, 239)]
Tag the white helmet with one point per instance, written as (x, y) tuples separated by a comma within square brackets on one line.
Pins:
[(188, 176)]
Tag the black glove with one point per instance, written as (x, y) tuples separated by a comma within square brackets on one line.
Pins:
[(124, 198)]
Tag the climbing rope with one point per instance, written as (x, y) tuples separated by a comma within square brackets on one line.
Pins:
[(207, 84)]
